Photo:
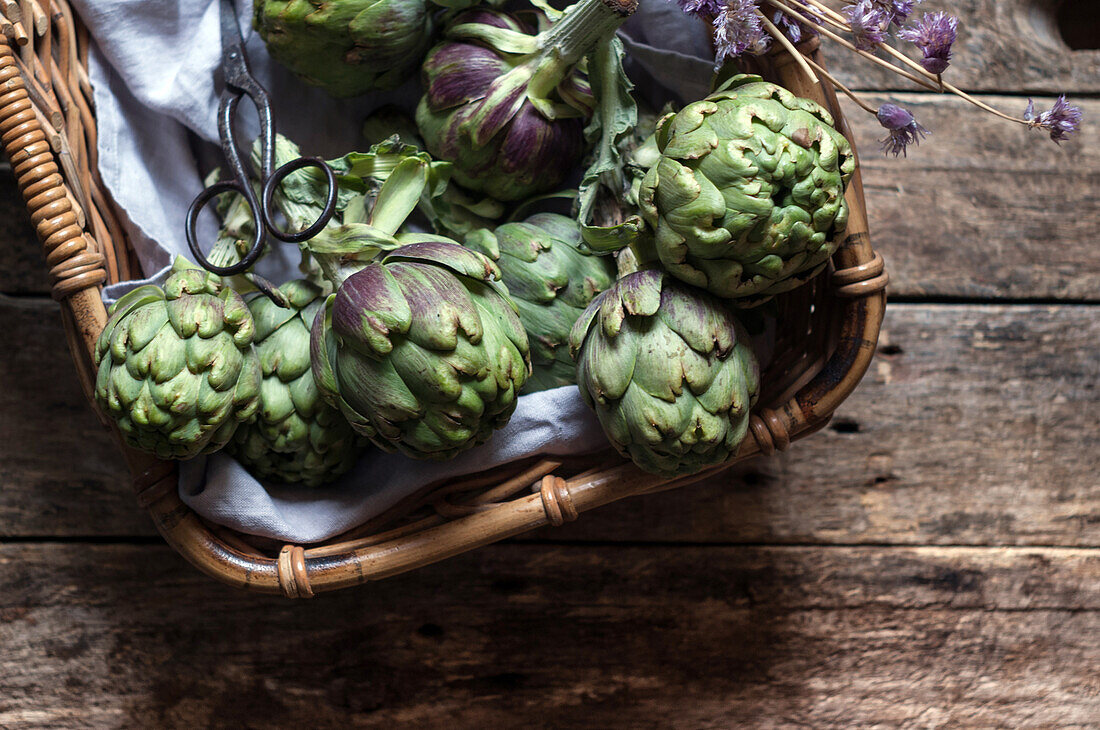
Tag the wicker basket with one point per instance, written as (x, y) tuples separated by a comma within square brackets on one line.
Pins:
[(827, 335)]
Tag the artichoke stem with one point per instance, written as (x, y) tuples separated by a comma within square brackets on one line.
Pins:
[(576, 33)]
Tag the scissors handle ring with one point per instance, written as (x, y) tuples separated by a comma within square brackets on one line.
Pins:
[(276, 179), (255, 249)]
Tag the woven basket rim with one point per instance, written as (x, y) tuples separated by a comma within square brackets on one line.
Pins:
[(48, 131)]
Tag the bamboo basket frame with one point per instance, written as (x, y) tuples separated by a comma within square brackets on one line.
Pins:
[(828, 335)]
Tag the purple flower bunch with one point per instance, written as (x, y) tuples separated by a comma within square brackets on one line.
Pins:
[(739, 26), (742, 26)]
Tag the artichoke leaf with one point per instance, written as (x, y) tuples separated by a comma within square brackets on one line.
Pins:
[(399, 195), (613, 122)]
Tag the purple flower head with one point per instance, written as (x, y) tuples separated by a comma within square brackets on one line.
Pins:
[(868, 24), (701, 8), (933, 35), (737, 29), (904, 129), (897, 11), (795, 30), (1061, 120)]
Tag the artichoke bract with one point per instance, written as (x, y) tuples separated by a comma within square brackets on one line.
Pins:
[(551, 280), (296, 436), (177, 372), (422, 350), (347, 47), (509, 106), (747, 198), (668, 370)]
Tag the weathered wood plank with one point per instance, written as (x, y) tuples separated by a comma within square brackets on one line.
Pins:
[(1004, 46), (60, 471), (976, 425), (984, 208), (22, 264), (561, 637)]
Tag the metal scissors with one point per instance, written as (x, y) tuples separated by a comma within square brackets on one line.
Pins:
[(240, 83)]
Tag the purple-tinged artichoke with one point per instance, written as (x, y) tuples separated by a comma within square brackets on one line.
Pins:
[(668, 370), (422, 350), (347, 47), (177, 371), (508, 106)]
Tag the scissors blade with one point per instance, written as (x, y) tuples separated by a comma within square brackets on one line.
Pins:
[(234, 64)]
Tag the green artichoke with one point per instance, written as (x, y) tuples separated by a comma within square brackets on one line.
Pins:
[(551, 281), (296, 437), (422, 350), (347, 47), (177, 371), (669, 372), (747, 198)]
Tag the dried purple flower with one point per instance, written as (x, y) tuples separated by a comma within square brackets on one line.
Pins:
[(868, 24), (1061, 120), (737, 29), (795, 30), (897, 11), (701, 8), (933, 35), (904, 129)]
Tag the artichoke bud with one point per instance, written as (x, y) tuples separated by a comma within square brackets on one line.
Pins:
[(508, 105), (422, 349), (669, 372), (347, 47), (747, 197), (551, 280), (176, 368), (296, 436)]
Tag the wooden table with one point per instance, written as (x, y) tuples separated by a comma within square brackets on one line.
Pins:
[(931, 559)]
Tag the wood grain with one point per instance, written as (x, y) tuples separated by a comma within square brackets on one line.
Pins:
[(560, 637), (22, 264), (1010, 46), (975, 426), (60, 471), (984, 208)]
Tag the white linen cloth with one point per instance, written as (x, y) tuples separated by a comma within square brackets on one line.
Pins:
[(154, 66)]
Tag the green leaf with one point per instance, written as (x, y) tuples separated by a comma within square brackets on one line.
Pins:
[(400, 194), (613, 122)]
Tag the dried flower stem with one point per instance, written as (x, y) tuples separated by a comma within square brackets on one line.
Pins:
[(982, 105), (925, 79), (836, 19), (786, 43), (847, 92), (777, 4), (912, 64)]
